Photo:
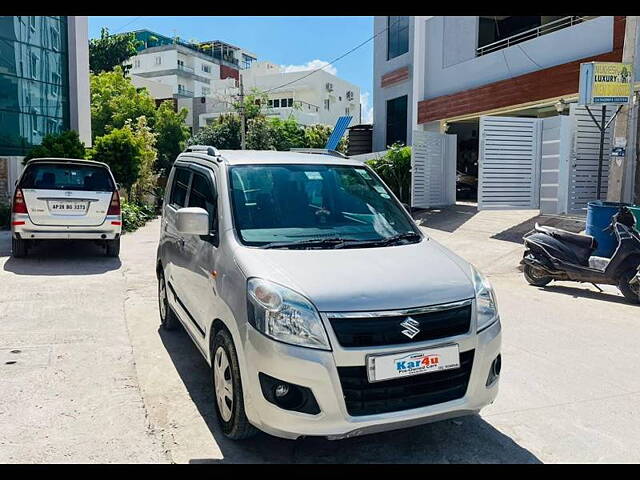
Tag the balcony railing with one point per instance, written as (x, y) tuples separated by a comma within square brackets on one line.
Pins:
[(185, 69), (532, 33), (184, 92)]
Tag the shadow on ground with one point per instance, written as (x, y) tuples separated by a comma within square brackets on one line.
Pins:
[(447, 219), (581, 292), (464, 440), (60, 257), (515, 233)]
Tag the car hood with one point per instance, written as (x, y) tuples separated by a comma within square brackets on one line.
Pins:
[(381, 278)]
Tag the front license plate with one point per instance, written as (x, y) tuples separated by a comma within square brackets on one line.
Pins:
[(68, 207), (406, 364)]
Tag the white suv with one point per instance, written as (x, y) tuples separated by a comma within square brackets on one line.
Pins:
[(64, 198)]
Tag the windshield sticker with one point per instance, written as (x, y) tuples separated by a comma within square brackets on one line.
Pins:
[(313, 175)]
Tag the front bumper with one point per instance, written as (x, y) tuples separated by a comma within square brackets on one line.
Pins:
[(22, 227), (317, 370)]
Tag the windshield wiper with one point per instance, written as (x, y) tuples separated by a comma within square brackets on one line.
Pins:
[(384, 242), (313, 242)]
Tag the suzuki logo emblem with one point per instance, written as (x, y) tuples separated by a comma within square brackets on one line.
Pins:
[(411, 327)]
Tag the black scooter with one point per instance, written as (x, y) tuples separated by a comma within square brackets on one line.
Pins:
[(554, 254)]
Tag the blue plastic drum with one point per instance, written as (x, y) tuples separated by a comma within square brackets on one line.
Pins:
[(599, 215)]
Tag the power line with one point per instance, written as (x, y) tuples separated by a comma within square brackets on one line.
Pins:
[(335, 59), (129, 23)]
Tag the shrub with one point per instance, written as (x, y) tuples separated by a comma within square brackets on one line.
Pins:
[(395, 170), (135, 215), (65, 144)]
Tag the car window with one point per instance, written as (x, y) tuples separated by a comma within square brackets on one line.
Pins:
[(180, 187), (52, 176), (203, 195)]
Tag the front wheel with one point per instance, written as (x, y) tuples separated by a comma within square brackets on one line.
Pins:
[(630, 292), (228, 389), (536, 276)]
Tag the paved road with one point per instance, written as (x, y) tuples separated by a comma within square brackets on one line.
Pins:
[(569, 393)]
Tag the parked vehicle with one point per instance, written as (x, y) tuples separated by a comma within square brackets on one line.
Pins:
[(63, 198), (319, 304), (554, 254), (466, 185)]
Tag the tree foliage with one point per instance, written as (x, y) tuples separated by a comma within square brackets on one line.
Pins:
[(114, 100), (172, 135), (109, 51), (316, 136), (58, 145), (395, 170), (223, 133)]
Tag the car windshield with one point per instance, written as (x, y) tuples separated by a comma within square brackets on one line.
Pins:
[(52, 176), (321, 205)]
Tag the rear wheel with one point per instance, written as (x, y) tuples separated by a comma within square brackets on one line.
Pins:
[(168, 319), (113, 247), (630, 292), (536, 276), (18, 247)]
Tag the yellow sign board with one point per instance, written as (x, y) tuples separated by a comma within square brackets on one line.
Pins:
[(605, 83)]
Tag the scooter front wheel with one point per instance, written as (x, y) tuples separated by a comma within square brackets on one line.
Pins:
[(630, 292), (536, 276)]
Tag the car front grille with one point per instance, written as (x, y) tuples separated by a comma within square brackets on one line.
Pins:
[(384, 328), (364, 398)]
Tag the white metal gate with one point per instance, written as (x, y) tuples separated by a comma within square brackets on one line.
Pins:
[(585, 149), (433, 169), (509, 169)]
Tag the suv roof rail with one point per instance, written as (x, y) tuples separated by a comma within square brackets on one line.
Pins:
[(211, 151), (321, 151)]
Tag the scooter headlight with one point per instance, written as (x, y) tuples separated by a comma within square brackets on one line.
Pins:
[(486, 305), (284, 315)]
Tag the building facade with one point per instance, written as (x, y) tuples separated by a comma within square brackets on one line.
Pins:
[(44, 85), (445, 74)]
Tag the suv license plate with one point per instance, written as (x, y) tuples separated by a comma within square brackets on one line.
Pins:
[(68, 207), (416, 362)]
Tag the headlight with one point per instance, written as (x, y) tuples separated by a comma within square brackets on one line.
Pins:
[(486, 305), (284, 315)]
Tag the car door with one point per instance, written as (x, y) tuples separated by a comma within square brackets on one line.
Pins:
[(173, 239), (201, 253)]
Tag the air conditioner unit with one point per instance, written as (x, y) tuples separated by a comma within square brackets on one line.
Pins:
[(349, 95), (330, 87)]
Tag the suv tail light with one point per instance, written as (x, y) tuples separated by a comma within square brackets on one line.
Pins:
[(114, 206), (18, 205)]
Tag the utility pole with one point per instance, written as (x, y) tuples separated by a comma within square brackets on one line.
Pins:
[(624, 129), (242, 116)]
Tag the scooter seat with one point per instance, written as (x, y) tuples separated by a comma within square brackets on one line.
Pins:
[(577, 239)]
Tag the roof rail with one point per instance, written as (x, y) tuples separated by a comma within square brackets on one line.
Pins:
[(211, 151), (321, 151)]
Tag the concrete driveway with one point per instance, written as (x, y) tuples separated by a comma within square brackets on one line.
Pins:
[(569, 390)]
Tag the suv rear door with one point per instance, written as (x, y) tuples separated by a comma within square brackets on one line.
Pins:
[(67, 193)]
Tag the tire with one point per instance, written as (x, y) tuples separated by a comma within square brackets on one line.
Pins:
[(18, 247), (535, 277), (168, 319), (113, 247), (229, 405), (631, 294)]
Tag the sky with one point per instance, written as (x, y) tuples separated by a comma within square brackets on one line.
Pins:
[(295, 42)]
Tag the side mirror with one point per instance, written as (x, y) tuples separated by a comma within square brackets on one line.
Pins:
[(192, 221)]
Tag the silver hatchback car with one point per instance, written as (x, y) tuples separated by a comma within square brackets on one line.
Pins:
[(65, 198), (321, 307)]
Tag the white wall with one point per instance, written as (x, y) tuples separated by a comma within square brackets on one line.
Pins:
[(156, 88), (79, 99)]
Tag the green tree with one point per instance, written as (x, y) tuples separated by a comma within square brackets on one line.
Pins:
[(316, 136), (395, 170), (172, 135), (110, 51), (114, 100), (287, 134), (147, 177), (259, 134), (223, 133), (58, 145), (123, 152)]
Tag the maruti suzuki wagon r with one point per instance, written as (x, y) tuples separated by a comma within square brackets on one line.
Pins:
[(321, 307), (65, 198)]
